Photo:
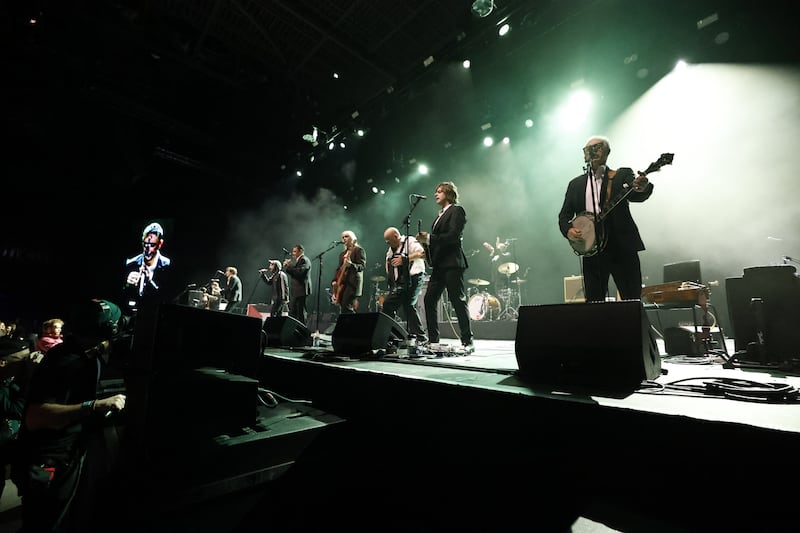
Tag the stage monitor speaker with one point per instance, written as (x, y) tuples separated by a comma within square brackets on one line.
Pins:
[(359, 334), (286, 331), (604, 346), (175, 338)]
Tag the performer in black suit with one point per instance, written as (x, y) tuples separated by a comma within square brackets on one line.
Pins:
[(448, 264), (619, 255), (233, 290), (299, 271)]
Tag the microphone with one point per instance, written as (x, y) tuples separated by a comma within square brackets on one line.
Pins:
[(337, 242), (420, 196), (191, 286), (220, 272), (287, 252)]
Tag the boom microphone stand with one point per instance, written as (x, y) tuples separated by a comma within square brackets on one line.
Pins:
[(333, 245)]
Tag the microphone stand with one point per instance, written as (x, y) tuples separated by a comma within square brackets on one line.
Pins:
[(319, 288), (407, 224), (252, 293)]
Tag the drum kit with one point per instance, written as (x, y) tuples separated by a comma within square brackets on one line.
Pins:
[(484, 306), (378, 297)]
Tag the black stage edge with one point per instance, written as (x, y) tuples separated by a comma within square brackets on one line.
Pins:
[(481, 329), (451, 448)]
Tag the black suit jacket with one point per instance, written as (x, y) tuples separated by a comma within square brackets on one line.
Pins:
[(354, 276), (444, 243), (299, 274), (621, 231)]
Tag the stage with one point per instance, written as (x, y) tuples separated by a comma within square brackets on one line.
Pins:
[(463, 442)]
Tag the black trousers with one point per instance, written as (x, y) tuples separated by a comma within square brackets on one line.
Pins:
[(451, 279), (623, 265), (297, 308), (406, 298)]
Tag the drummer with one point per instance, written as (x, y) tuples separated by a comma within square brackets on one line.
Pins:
[(499, 254)]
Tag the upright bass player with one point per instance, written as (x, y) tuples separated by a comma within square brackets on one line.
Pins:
[(347, 286)]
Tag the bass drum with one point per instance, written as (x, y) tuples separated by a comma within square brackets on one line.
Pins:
[(483, 306)]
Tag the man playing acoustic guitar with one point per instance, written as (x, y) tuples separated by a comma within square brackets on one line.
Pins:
[(349, 281), (616, 240)]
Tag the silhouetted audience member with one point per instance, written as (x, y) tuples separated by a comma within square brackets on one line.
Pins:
[(62, 420), (51, 335)]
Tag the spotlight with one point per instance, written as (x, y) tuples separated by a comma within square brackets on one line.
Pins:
[(482, 8)]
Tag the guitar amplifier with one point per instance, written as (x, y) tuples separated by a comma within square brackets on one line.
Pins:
[(573, 289)]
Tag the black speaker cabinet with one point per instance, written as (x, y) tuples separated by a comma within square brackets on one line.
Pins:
[(175, 338), (286, 331), (604, 346), (764, 307), (360, 333)]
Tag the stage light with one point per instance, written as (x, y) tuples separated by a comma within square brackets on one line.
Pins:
[(423, 169), (466, 63), (482, 8), (504, 29), (488, 141), (312, 137)]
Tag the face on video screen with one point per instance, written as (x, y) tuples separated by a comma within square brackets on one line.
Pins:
[(146, 277)]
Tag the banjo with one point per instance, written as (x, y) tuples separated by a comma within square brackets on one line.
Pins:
[(589, 245)]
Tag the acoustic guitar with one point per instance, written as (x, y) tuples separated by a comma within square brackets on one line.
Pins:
[(589, 244)]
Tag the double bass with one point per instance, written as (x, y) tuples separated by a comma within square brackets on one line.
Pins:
[(338, 289)]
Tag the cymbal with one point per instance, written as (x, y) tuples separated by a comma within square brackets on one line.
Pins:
[(478, 281), (377, 278), (508, 268)]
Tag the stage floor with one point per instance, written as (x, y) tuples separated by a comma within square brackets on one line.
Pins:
[(620, 458)]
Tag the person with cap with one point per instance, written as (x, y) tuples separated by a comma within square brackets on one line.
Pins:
[(147, 273), (63, 417), (279, 281)]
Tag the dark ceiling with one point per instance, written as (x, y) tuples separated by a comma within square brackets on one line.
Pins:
[(108, 95), (118, 111), (224, 87)]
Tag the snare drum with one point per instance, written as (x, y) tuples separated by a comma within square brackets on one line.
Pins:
[(483, 306)]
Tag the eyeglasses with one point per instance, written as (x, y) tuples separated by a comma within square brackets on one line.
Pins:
[(592, 148)]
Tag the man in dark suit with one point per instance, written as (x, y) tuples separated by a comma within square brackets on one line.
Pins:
[(233, 290), (299, 270), (448, 263), (619, 242)]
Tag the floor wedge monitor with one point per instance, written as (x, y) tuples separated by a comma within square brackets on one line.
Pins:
[(286, 331), (360, 334), (603, 345)]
